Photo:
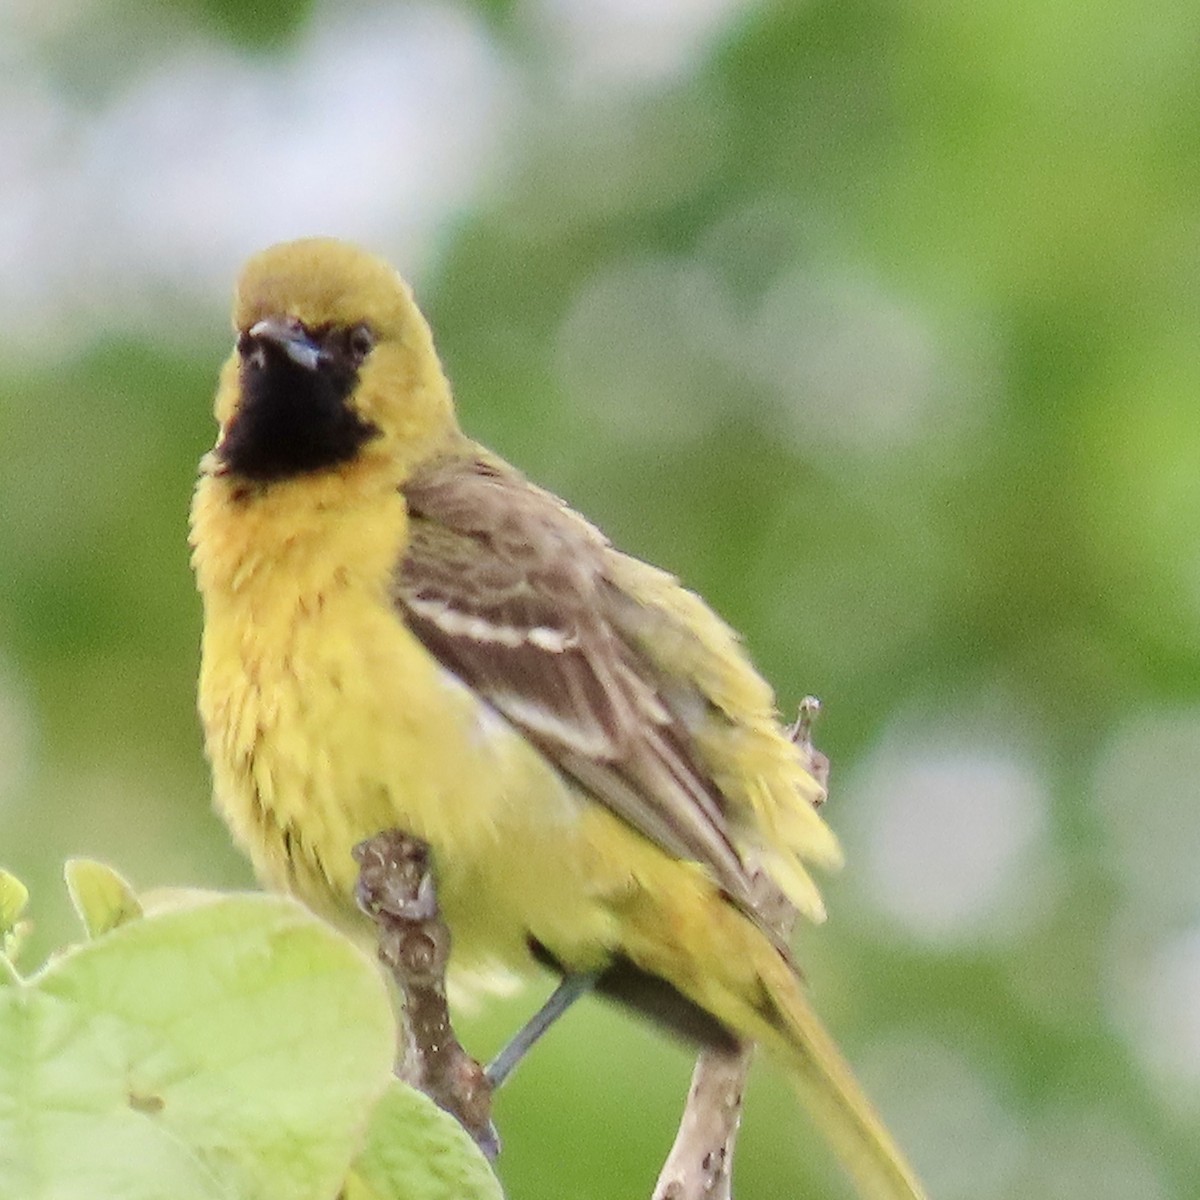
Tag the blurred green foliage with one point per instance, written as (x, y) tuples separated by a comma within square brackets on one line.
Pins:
[(877, 324), (256, 1040)]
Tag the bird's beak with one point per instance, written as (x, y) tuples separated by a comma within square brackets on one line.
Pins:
[(291, 337)]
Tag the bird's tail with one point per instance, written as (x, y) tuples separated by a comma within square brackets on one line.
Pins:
[(829, 1092), (724, 964)]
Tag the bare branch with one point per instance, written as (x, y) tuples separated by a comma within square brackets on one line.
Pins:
[(700, 1165), (396, 889)]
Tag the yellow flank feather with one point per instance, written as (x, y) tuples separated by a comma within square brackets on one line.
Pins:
[(402, 632)]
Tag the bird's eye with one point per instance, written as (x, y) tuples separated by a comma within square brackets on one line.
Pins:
[(361, 342)]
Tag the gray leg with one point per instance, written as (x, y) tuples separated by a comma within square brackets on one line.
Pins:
[(563, 996)]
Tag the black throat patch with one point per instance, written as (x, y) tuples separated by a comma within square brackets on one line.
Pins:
[(291, 419)]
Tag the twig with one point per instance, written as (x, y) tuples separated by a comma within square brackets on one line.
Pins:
[(396, 889), (800, 733), (700, 1164)]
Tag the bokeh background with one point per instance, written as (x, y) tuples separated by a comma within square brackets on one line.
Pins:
[(876, 322)]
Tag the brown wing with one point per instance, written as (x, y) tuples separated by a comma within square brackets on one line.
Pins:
[(507, 588)]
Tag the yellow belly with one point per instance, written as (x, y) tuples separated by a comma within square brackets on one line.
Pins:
[(327, 726)]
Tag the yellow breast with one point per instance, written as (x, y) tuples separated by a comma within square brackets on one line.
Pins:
[(326, 721)]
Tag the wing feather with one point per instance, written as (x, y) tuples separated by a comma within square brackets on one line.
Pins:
[(512, 592)]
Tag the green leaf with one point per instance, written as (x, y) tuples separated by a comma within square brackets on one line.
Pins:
[(14, 896), (415, 1151), (231, 1050), (101, 897)]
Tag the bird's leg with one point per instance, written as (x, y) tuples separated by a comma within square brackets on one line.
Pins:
[(396, 889), (563, 996)]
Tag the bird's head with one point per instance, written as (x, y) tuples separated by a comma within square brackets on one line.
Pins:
[(333, 368)]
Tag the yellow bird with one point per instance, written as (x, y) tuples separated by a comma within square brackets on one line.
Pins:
[(401, 631)]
